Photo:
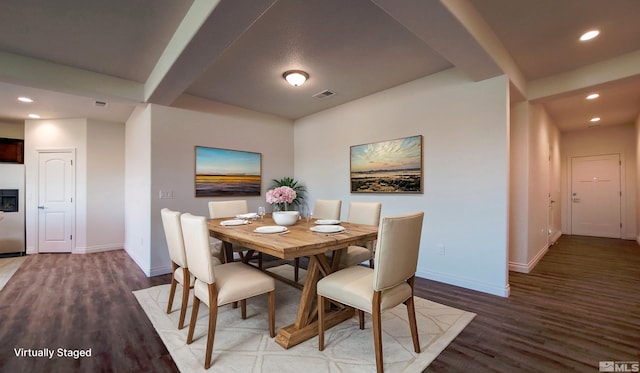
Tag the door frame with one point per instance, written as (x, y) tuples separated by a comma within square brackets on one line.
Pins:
[(623, 190), (72, 151)]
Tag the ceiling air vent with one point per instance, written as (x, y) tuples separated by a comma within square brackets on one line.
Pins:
[(324, 94), (100, 104)]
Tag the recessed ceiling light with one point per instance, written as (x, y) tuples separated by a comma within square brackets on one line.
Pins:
[(34, 116), (593, 96), (596, 119), (589, 35), (25, 99)]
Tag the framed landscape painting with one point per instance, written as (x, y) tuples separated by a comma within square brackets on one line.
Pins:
[(224, 172), (393, 166)]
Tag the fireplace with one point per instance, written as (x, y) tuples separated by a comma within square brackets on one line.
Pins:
[(9, 200)]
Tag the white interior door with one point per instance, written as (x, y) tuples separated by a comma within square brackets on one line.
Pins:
[(56, 213), (596, 196)]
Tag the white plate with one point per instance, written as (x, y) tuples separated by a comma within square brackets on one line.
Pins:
[(234, 222), (327, 228), (327, 221), (251, 215), (271, 229)]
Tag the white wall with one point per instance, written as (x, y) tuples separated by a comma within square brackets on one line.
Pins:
[(99, 175), (105, 185), (519, 185), (67, 134), (163, 140), (466, 168), (603, 140), (535, 176), (137, 184)]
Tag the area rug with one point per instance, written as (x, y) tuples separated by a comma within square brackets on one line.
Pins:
[(245, 345), (8, 267)]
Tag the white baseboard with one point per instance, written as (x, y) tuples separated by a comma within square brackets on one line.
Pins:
[(493, 289), (97, 249), (528, 267), (162, 270), (138, 262)]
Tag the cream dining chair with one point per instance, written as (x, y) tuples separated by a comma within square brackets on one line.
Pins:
[(217, 286), (322, 209), (361, 213), (327, 209), (229, 209), (374, 290), (180, 273)]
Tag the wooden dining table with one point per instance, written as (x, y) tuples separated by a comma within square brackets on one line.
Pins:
[(298, 241)]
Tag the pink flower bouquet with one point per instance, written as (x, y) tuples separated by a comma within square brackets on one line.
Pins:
[(281, 196)]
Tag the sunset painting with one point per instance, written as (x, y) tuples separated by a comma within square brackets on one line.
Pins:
[(393, 166), (223, 172)]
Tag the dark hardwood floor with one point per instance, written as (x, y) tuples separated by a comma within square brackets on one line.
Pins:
[(579, 306)]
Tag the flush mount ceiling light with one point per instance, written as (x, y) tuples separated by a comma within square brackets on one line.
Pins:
[(34, 116), (593, 96), (295, 77), (25, 99), (596, 119), (589, 35)]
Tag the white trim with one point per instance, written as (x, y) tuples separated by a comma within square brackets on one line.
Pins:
[(526, 268), (162, 270), (97, 249), (138, 262), (502, 291)]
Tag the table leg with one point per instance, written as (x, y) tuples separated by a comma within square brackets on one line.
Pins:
[(306, 325)]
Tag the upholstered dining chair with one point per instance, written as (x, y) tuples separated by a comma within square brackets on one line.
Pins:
[(180, 273), (229, 209), (220, 285), (374, 290), (322, 209), (361, 213), (327, 209)]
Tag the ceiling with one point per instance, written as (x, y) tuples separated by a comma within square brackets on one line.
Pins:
[(68, 54)]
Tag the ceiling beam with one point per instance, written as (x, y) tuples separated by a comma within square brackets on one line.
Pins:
[(35, 73), (487, 40), (615, 69), (439, 28), (191, 49)]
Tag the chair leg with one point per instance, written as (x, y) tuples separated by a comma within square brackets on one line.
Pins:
[(272, 313), (361, 318), (172, 293), (371, 263), (377, 331), (411, 313), (213, 317), (243, 308), (194, 317), (320, 323), (185, 298), (296, 269)]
